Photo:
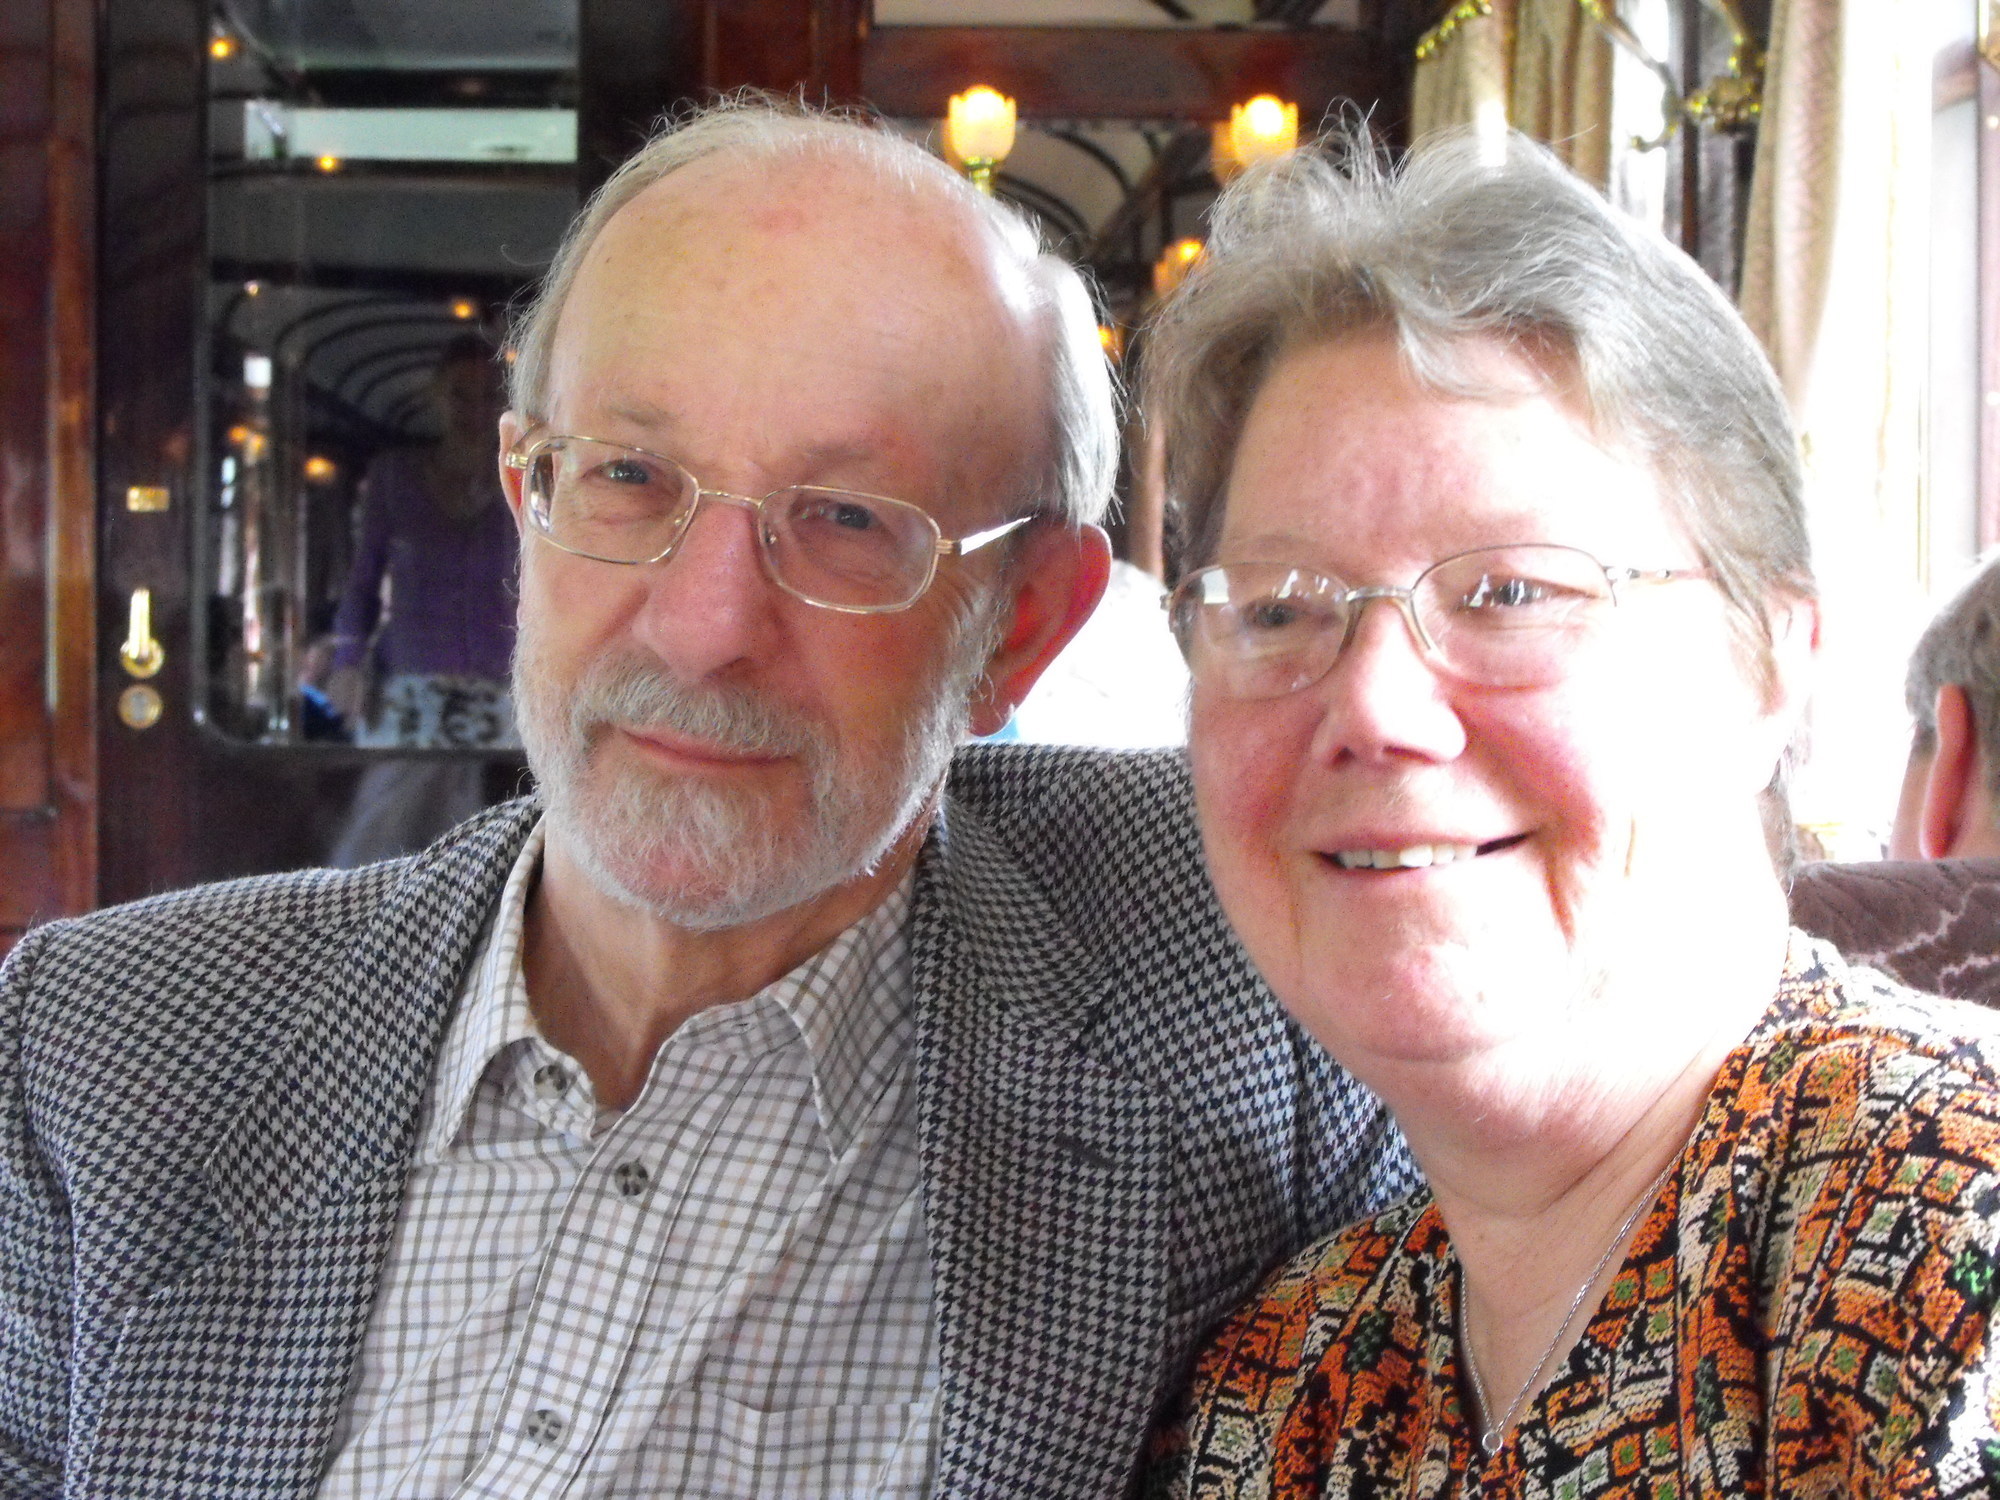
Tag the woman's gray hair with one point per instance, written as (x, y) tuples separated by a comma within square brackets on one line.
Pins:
[(1454, 246), (1076, 482)]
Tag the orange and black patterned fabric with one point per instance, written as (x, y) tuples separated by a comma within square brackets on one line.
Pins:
[(1805, 1311)]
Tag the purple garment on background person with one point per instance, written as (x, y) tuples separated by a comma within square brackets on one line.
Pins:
[(451, 582)]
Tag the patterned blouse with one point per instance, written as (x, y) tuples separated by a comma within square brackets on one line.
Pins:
[(1803, 1313)]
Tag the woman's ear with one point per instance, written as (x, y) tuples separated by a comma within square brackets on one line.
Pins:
[(1058, 576), (1793, 660)]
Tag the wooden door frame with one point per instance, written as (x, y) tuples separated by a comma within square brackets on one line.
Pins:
[(48, 808)]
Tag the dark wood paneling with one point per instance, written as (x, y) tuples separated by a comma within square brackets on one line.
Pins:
[(636, 58), (47, 778), (812, 48), (1098, 73)]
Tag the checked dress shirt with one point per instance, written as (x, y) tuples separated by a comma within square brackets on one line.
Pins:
[(724, 1291)]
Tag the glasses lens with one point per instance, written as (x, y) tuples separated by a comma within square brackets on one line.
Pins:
[(850, 551), (1513, 616), (617, 504), (1259, 630)]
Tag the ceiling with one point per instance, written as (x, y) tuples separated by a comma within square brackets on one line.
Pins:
[(380, 257)]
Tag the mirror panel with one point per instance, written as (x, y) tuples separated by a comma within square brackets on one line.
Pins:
[(384, 180)]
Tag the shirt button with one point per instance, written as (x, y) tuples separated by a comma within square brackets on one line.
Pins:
[(552, 1081), (632, 1178), (545, 1426)]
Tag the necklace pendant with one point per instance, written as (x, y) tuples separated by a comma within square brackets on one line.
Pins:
[(1489, 1441)]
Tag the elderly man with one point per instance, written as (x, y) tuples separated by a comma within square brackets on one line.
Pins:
[(1950, 803), (776, 1107)]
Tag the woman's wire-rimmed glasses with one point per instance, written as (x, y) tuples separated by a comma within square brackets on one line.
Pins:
[(1497, 616), (838, 549)]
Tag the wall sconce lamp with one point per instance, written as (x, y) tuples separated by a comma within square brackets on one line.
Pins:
[(1171, 269), (1261, 129), (1111, 338), (979, 132)]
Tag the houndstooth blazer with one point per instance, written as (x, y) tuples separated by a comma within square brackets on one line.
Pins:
[(210, 1098)]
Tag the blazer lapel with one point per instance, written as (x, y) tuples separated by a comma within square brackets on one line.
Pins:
[(229, 1380), (1045, 1172)]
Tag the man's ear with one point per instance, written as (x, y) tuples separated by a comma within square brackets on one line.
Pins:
[(1057, 578), (1951, 788), (512, 426)]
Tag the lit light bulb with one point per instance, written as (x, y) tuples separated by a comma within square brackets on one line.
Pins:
[(1264, 128), (979, 131), (1171, 269)]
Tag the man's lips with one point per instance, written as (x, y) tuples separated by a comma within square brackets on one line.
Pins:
[(1415, 856), (685, 749)]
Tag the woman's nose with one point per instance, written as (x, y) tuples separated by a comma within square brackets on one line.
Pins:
[(1385, 695)]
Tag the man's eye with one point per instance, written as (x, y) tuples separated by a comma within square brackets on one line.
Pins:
[(849, 514), (624, 471)]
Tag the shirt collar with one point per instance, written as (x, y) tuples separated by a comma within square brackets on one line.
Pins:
[(849, 1004)]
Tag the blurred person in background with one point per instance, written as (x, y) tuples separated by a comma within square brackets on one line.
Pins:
[(1950, 803), (438, 544)]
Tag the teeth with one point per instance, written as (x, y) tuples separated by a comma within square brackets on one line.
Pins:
[(1413, 858)]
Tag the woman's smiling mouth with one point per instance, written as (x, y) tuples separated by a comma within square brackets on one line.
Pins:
[(1418, 856)]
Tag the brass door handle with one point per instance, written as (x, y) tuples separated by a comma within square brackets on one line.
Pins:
[(141, 655)]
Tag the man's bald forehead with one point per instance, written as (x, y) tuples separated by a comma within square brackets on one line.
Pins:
[(848, 193)]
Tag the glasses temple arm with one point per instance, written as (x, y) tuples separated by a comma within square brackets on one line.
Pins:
[(948, 548)]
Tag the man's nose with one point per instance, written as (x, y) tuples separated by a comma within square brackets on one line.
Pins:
[(1385, 695), (712, 603)]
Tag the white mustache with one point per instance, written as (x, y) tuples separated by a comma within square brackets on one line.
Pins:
[(634, 692)]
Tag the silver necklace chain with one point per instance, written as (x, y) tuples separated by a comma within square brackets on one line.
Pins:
[(1492, 1435)]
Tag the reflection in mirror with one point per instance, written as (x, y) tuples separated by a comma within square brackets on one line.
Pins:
[(384, 179)]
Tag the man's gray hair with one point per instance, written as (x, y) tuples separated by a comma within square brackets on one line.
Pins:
[(1330, 244), (1961, 647), (1075, 483)]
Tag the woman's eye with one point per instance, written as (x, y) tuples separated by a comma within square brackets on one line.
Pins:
[(1270, 614), (853, 517), (1508, 593)]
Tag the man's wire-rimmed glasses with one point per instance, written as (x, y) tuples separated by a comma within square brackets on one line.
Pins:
[(1496, 616), (839, 549)]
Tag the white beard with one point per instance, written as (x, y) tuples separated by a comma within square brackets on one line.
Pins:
[(705, 857)]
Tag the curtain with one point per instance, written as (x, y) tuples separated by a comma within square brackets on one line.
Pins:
[(1562, 84), (1462, 70), (1540, 65), (1836, 284)]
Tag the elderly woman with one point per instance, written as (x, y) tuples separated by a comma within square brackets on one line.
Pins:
[(1500, 632)]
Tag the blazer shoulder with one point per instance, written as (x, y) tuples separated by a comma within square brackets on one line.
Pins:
[(1085, 818), (1108, 841), (185, 980)]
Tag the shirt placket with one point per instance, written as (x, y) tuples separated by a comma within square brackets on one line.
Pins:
[(594, 1287)]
